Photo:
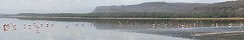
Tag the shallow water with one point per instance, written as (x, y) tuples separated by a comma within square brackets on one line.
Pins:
[(80, 29), (67, 30)]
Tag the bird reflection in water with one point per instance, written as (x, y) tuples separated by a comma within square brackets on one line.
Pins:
[(216, 25), (37, 32), (241, 24), (67, 27)]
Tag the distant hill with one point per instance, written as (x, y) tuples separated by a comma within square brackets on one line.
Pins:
[(176, 10), (230, 6), (151, 7)]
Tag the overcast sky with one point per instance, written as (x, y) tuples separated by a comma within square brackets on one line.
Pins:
[(74, 6)]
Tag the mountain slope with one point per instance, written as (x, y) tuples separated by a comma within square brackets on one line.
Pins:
[(150, 7), (229, 6)]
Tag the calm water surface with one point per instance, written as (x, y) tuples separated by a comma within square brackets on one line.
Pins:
[(80, 29)]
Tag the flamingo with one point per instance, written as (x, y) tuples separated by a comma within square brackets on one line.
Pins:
[(34, 24), (41, 25), (82, 25), (52, 25), (76, 24), (230, 25), (47, 24), (37, 26), (29, 26), (4, 27), (14, 26)]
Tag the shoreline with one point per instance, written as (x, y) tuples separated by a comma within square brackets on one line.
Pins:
[(135, 18)]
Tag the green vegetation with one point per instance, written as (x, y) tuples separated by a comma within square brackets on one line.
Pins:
[(169, 15)]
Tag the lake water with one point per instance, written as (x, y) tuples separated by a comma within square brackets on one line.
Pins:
[(81, 29)]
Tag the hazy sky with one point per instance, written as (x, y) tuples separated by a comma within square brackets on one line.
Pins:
[(74, 6)]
